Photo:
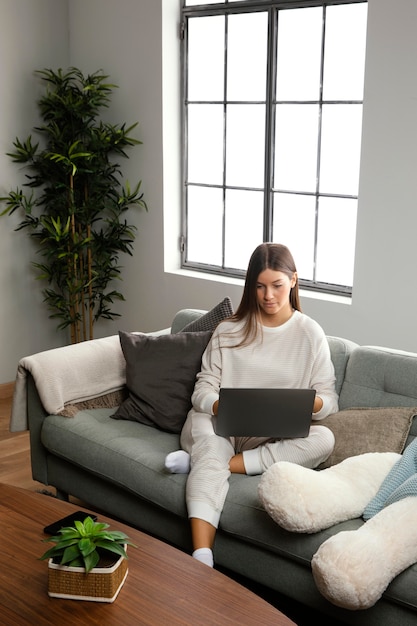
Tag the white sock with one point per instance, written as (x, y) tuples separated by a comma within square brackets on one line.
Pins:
[(204, 555), (178, 462)]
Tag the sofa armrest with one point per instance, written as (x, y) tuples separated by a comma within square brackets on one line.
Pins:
[(340, 351), (68, 375), (184, 317), (36, 415)]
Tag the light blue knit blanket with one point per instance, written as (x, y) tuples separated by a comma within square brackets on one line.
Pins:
[(399, 483)]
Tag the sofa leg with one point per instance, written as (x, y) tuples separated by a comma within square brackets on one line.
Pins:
[(62, 495)]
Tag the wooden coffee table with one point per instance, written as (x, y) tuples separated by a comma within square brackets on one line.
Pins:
[(163, 586)]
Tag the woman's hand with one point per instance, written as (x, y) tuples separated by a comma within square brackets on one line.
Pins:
[(318, 403), (215, 407)]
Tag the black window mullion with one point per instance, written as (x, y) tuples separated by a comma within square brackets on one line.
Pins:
[(323, 37), (270, 110), (226, 26)]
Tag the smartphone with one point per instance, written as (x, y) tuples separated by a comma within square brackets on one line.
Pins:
[(52, 529)]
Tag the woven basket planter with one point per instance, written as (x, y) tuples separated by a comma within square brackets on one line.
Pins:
[(101, 584)]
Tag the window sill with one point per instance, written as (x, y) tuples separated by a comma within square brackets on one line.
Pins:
[(239, 282)]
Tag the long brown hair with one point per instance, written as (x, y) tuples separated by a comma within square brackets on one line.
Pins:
[(274, 256)]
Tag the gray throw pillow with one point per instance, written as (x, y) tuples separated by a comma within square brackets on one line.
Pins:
[(212, 318), (367, 429), (160, 377)]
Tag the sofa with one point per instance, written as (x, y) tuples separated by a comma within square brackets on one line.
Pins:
[(117, 465)]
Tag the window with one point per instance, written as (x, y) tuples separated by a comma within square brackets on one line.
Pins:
[(273, 95)]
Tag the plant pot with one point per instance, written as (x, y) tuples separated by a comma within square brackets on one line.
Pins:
[(101, 584)]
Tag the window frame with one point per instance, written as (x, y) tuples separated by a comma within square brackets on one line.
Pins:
[(272, 7)]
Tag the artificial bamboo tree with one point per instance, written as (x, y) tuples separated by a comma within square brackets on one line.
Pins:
[(76, 203)]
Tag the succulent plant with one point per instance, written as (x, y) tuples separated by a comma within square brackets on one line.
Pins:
[(83, 544)]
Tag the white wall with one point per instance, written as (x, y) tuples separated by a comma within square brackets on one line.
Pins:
[(135, 42)]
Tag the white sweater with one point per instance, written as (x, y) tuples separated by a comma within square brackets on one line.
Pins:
[(295, 354)]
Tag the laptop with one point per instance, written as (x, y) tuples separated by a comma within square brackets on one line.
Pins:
[(275, 413)]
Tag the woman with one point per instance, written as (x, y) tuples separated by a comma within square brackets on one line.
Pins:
[(268, 342)]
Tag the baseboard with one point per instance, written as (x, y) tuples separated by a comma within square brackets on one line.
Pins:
[(6, 391)]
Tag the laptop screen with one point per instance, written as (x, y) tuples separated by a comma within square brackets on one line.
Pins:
[(275, 413)]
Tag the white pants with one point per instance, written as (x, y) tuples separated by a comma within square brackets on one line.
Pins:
[(208, 481)]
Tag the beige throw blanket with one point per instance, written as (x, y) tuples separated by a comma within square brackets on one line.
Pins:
[(68, 375)]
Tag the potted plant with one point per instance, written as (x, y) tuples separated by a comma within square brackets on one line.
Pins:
[(76, 203), (87, 562)]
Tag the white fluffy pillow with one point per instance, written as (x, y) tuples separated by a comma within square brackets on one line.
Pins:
[(297, 498), (353, 568)]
